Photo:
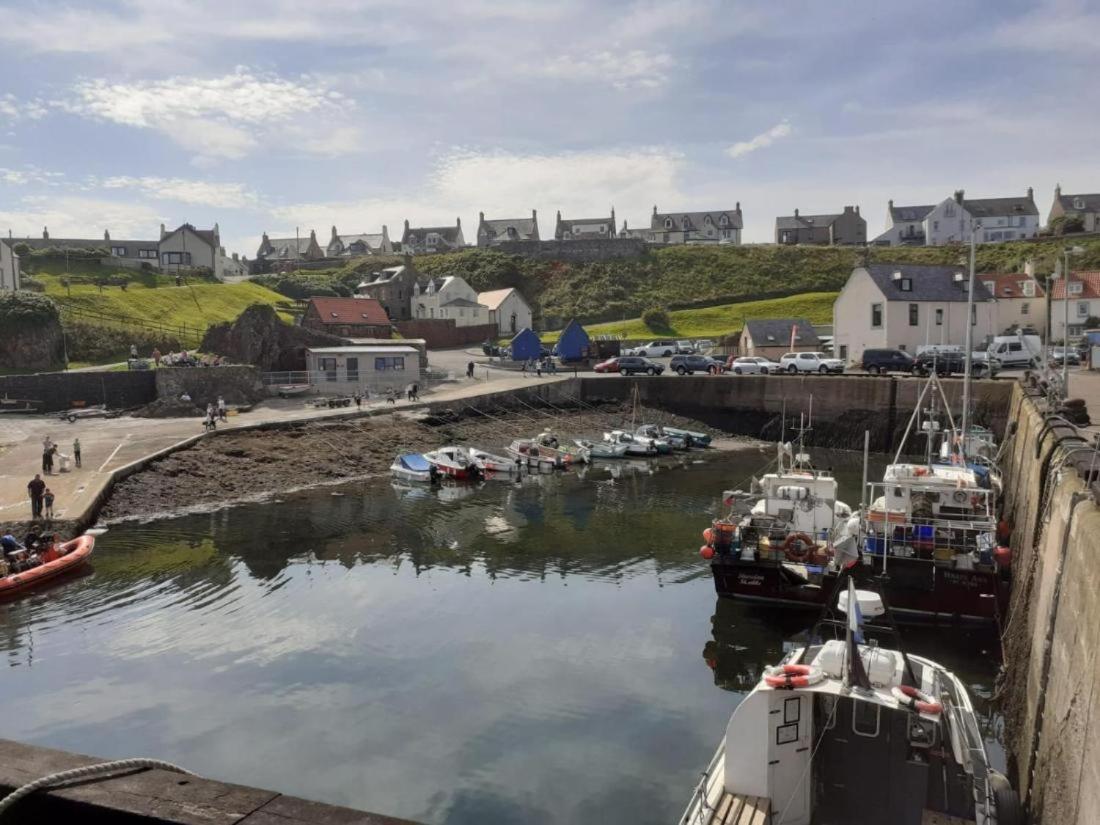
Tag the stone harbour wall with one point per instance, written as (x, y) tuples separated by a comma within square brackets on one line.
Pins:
[(54, 391), (236, 384)]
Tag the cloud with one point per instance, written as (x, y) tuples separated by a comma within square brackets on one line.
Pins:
[(1052, 28), (761, 141), (216, 117), (634, 69), (12, 109), (69, 216), (30, 175), (200, 193)]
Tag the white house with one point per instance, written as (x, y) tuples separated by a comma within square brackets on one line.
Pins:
[(1002, 219), (1084, 303), (353, 246), (507, 309), (187, 248), (9, 266), (450, 297), (1019, 301), (362, 368), (904, 225), (901, 306)]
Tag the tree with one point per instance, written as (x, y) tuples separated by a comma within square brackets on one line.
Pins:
[(657, 319)]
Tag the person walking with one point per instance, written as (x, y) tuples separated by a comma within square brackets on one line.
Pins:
[(223, 413), (358, 401), (470, 370), (47, 459), (76, 451), (156, 357), (47, 500), (538, 368), (415, 392), (35, 488)]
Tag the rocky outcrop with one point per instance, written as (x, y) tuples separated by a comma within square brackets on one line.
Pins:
[(30, 333), (260, 338), (237, 385)]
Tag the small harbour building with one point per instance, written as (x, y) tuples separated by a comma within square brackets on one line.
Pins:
[(368, 369)]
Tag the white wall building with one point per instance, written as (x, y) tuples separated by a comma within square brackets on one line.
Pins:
[(450, 297), (901, 306), (362, 368), (1084, 303), (186, 248), (507, 309), (949, 221), (1019, 300)]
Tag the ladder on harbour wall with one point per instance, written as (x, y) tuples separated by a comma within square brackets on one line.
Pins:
[(188, 336)]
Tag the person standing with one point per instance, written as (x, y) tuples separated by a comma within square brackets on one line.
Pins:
[(524, 370), (133, 350), (156, 357), (47, 500), (35, 488), (47, 459), (223, 414), (470, 369), (76, 451)]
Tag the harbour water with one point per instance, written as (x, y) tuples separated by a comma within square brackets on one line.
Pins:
[(549, 651)]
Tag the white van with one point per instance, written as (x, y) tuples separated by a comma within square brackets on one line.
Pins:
[(1016, 350)]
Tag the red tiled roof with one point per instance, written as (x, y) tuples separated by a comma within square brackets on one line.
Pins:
[(350, 311), (1090, 288), (1007, 284)]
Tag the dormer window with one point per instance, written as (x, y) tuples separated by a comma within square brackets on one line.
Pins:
[(1028, 288), (724, 220), (1078, 203), (668, 223), (1076, 288), (707, 220), (906, 284)]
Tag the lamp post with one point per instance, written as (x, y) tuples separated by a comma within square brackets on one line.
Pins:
[(1069, 250), (969, 346)]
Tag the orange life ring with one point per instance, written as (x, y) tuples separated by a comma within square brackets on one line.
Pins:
[(792, 676), (910, 697), (799, 547)]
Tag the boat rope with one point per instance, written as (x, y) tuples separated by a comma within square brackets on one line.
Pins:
[(103, 770), (802, 778)]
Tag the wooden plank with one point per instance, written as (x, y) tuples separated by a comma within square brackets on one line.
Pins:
[(735, 810), (722, 808), (762, 813)]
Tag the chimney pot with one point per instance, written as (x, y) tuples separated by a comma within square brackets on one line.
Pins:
[(796, 212), (1030, 193)]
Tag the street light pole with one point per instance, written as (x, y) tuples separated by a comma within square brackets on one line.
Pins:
[(1065, 327), (969, 346)]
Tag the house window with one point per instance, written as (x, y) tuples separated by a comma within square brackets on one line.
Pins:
[(147, 253), (176, 258), (1076, 288), (668, 223), (939, 317), (1083, 309), (843, 352), (389, 363), (1028, 288), (353, 369), (949, 210), (118, 251), (876, 316), (914, 315), (1078, 203), (906, 284), (1025, 308), (328, 367), (935, 226)]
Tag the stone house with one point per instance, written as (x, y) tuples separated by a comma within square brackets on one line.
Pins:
[(362, 368), (186, 247), (393, 288), (348, 318), (449, 298), (1001, 219), (844, 228), (585, 229), (771, 337), (1085, 207), (1019, 301), (719, 227), (507, 309), (1084, 303), (904, 225), (901, 306), (130, 253), (423, 240), (290, 249), (354, 246), (500, 230)]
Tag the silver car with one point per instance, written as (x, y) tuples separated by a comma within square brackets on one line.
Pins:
[(752, 365)]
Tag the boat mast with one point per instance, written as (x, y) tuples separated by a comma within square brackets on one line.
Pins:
[(968, 355)]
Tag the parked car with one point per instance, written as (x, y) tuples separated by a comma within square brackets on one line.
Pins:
[(686, 347), (751, 365), (882, 361), (632, 364), (811, 362), (610, 365), (1060, 355), (704, 345), (656, 349), (689, 364), (953, 362)]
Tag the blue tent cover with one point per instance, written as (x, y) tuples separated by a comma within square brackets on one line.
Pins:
[(572, 342), (526, 345), (415, 462)]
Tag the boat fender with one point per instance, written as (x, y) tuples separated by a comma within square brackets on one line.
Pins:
[(790, 677), (799, 547), (706, 551), (708, 535), (909, 697), (1006, 800)]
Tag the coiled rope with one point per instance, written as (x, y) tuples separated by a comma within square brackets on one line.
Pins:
[(100, 771)]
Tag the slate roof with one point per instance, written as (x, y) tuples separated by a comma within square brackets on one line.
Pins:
[(1007, 284), (1092, 203), (284, 247), (350, 311), (84, 243), (1000, 207), (776, 332), (372, 240), (1090, 287), (697, 220), (498, 228), (903, 214), (803, 221), (418, 234), (929, 283)]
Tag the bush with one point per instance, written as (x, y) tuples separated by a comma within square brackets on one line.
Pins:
[(657, 319), (21, 309), (31, 284), (91, 342)]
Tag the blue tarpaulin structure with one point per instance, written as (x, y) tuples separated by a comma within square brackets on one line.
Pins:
[(526, 345), (572, 343)]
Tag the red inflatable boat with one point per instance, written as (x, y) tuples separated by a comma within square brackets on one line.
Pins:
[(56, 561)]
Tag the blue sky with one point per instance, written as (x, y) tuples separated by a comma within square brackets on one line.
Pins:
[(270, 115)]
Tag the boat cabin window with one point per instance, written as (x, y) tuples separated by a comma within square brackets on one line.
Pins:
[(865, 719)]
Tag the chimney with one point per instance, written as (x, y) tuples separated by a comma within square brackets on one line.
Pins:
[(235, 258), (959, 196), (1057, 190), (796, 212), (1029, 268), (313, 236), (216, 229), (481, 217), (163, 233), (45, 233), (890, 204), (534, 216), (406, 224), (334, 235), (857, 208), (1030, 193), (654, 209), (559, 215), (265, 238), (458, 223), (738, 207), (106, 235)]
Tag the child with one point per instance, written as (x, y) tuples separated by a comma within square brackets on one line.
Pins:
[(47, 499)]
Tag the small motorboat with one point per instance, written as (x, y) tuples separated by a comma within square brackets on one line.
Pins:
[(601, 449), (635, 445), (550, 447), (292, 390), (527, 451), (693, 438), (658, 434), (53, 562), (454, 462), (413, 467), (490, 463)]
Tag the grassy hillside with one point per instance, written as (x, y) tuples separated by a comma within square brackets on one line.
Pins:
[(717, 321), (676, 277)]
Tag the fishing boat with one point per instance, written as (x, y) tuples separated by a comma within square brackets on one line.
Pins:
[(454, 462), (495, 464), (693, 438), (634, 444), (550, 447), (854, 731), (292, 390), (659, 434), (413, 467), (527, 451), (601, 449), (52, 562)]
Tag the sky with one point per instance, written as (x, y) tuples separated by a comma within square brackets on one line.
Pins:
[(277, 115)]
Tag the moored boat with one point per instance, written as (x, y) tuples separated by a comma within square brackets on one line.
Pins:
[(635, 445), (490, 463), (527, 451), (601, 449), (454, 462), (693, 438), (841, 731), (51, 562), (292, 390), (413, 467), (658, 434), (550, 447)]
